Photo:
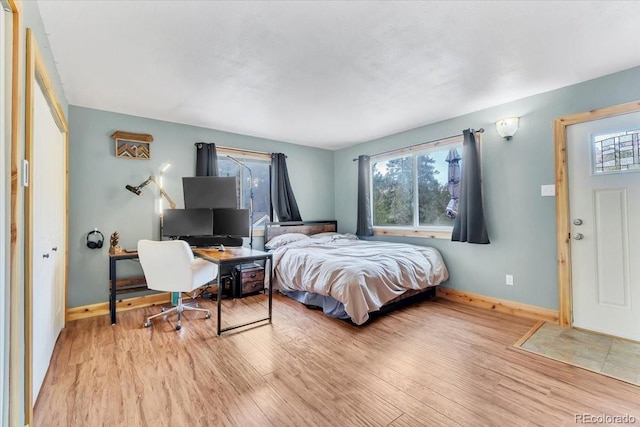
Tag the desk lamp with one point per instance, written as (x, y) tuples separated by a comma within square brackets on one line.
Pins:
[(137, 190)]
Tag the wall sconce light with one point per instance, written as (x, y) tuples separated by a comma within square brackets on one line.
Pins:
[(507, 127)]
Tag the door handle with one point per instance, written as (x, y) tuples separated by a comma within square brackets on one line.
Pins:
[(578, 236), (577, 221), (55, 248), (45, 255)]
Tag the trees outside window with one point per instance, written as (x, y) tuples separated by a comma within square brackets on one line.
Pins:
[(411, 191), (393, 192), (260, 173)]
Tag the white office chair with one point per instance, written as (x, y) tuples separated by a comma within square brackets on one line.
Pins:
[(171, 267)]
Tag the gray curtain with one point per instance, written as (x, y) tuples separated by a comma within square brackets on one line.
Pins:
[(365, 224), (470, 225), (284, 202), (206, 159)]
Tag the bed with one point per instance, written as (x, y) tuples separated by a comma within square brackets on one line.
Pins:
[(347, 277)]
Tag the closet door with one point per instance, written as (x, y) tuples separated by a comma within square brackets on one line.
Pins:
[(46, 201), (47, 246)]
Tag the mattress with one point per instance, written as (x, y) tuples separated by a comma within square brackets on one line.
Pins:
[(361, 275)]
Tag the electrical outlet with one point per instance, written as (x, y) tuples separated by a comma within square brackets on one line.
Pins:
[(509, 280)]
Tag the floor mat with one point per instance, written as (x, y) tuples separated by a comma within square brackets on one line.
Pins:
[(614, 357)]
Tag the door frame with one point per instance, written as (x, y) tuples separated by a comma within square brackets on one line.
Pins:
[(563, 236), (5, 144), (15, 261), (37, 74)]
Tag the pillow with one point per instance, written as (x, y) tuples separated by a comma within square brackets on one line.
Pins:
[(334, 235), (285, 239), (325, 234)]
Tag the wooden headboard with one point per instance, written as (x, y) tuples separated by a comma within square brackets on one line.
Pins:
[(273, 229)]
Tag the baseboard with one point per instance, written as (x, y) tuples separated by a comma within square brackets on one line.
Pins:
[(503, 306), (476, 300), (102, 308)]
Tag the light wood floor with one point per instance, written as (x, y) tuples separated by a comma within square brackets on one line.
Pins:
[(434, 363)]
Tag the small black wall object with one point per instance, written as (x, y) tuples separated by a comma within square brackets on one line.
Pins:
[(95, 242)]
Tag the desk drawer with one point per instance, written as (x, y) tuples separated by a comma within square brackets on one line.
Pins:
[(252, 275), (249, 280), (250, 287)]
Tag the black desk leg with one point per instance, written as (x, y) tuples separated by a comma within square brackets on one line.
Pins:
[(219, 299), (112, 290)]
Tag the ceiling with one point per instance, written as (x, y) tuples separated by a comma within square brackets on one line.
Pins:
[(329, 74)]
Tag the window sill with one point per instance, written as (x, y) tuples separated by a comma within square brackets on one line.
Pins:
[(405, 232)]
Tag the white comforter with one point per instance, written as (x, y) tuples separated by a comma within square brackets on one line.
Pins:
[(362, 275)]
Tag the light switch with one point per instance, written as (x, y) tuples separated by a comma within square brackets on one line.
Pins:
[(548, 190)]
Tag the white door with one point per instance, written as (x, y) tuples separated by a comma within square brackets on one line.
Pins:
[(48, 241), (604, 199)]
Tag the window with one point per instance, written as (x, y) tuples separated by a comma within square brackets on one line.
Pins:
[(260, 165), (410, 189), (617, 152)]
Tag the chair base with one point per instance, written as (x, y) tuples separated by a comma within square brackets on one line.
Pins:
[(179, 308)]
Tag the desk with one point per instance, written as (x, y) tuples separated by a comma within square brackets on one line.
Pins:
[(236, 256), (113, 288)]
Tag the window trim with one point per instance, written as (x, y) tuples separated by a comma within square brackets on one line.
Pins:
[(420, 147), (245, 153), (410, 232), (433, 231)]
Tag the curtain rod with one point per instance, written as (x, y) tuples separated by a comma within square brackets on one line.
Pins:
[(481, 130)]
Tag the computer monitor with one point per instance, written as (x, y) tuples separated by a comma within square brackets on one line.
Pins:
[(211, 192), (231, 222), (187, 222)]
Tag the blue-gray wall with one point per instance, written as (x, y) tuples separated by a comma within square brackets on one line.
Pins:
[(98, 199), (521, 223)]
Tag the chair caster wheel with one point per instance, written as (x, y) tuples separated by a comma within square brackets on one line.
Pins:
[(146, 324), (178, 327), (207, 316)]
